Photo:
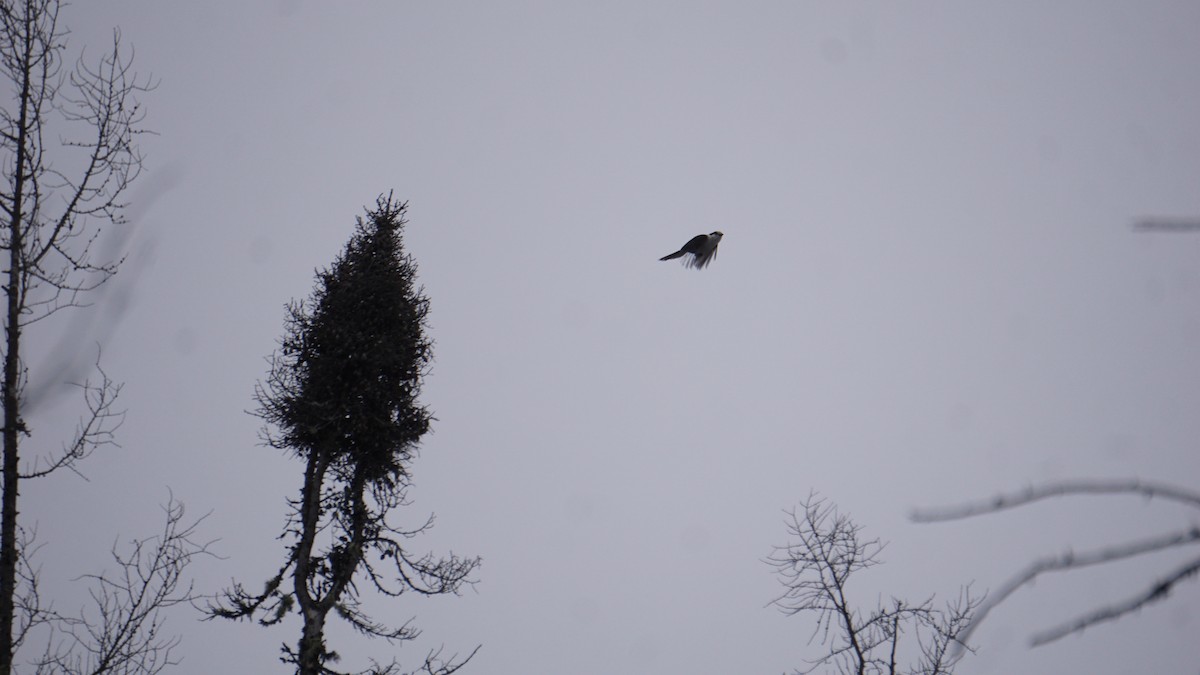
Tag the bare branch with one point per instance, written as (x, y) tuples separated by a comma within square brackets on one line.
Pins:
[(1158, 591), (30, 611), (236, 603), (1071, 560), (124, 631), (94, 430), (436, 665), (1161, 224), (1150, 490), (815, 569)]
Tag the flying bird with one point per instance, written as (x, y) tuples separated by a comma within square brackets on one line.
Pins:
[(702, 248)]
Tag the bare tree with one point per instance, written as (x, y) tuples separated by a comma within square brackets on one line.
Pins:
[(68, 152), (816, 568), (123, 630), (342, 396), (1157, 590)]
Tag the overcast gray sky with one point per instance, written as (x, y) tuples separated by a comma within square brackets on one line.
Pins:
[(929, 290)]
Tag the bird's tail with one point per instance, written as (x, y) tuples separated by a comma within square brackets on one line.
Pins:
[(673, 256)]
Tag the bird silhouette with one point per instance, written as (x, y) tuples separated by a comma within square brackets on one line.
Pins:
[(702, 248)]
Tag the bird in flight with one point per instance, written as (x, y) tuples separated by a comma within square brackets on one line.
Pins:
[(702, 248)]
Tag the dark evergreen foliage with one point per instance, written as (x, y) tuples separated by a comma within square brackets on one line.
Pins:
[(342, 394), (348, 374)]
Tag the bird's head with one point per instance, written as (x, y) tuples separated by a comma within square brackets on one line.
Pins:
[(718, 234)]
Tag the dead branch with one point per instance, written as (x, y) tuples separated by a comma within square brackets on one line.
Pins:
[(95, 429), (1158, 591), (816, 567), (1150, 490), (123, 632), (1071, 560)]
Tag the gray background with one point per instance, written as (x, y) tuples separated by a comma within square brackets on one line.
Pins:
[(929, 290)]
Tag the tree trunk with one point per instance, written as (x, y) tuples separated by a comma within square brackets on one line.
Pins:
[(12, 363), (312, 643), (12, 422), (311, 650)]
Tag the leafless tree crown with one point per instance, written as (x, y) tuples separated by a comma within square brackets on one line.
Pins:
[(122, 631), (825, 555)]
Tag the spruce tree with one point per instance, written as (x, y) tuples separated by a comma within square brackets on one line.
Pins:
[(342, 396)]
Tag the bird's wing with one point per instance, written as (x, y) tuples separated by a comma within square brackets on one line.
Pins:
[(705, 253), (702, 259), (695, 244)]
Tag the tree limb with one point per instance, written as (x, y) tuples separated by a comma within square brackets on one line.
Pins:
[(1158, 591), (1072, 560), (1031, 494)]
